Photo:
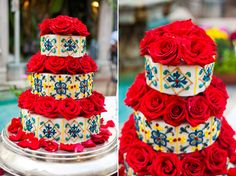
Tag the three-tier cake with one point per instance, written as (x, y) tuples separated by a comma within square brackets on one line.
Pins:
[(177, 127), (60, 111)]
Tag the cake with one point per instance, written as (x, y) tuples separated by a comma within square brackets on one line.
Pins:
[(61, 111), (177, 127)]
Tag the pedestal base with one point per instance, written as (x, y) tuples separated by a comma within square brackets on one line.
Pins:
[(100, 160)]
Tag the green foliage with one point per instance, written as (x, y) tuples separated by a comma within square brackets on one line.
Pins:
[(228, 62)]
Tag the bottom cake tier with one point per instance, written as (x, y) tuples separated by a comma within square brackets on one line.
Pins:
[(139, 158)]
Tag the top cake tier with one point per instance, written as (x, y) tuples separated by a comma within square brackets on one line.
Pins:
[(63, 36), (179, 43), (179, 58)]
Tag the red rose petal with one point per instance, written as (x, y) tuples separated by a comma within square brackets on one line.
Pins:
[(89, 143)]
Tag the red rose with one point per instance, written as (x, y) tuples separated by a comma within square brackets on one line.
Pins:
[(87, 107), (165, 164), (218, 84), (198, 110), (145, 42), (26, 100), (98, 100), (127, 139), (153, 104), (139, 157), (79, 28), (193, 165), (73, 65), (176, 111), (69, 108), (87, 64), (55, 64), (164, 51), (62, 25), (36, 63), (48, 145), (46, 106), (197, 51), (215, 159), (129, 125), (232, 172), (226, 139), (216, 100), (45, 27), (136, 91)]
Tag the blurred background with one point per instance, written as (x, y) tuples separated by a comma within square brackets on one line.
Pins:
[(217, 17), (19, 40)]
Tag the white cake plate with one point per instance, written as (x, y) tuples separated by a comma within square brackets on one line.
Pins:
[(99, 160)]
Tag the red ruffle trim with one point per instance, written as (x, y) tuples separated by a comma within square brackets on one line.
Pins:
[(28, 140), (63, 25), (67, 108), (174, 109), (144, 160), (61, 65)]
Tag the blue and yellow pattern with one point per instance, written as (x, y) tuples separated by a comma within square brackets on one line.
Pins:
[(181, 80), (181, 139), (62, 86), (59, 130), (62, 45)]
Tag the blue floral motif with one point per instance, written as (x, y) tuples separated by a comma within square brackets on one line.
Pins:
[(74, 131), (60, 87), (93, 126), (177, 80), (70, 45), (38, 84), (207, 75), (29, 125), (49, 131), (48, 45), (159, 138), (84, 86), (149, 72), (195, 138)]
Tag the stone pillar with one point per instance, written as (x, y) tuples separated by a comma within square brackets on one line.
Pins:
[(4, 40), (104, 37)]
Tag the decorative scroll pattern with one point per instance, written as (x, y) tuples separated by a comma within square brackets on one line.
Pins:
[(178, 80), (62, 45), (182, 139), (59, 129), (61, 86)]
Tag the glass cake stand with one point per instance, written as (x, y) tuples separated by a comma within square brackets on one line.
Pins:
[(100, 160)]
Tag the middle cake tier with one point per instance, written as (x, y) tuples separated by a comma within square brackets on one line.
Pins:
[(61, 86), (184, 138)]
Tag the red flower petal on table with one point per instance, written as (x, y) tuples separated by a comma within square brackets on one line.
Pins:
[(89, 143), (15, 125), (18, 136), (109, 123), (33, 144), (67, 147), (48, 145), (79, 148), (1, 171), (23, 144)]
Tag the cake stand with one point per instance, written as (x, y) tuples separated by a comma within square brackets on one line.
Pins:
[(99, 160)]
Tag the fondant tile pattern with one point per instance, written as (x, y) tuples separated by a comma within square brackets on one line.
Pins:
[(178, 80), (60, 130), (62, 45), (181, 139), (61, 86)]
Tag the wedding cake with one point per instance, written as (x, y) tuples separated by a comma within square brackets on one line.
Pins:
[(177, 127), (60, 111)]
